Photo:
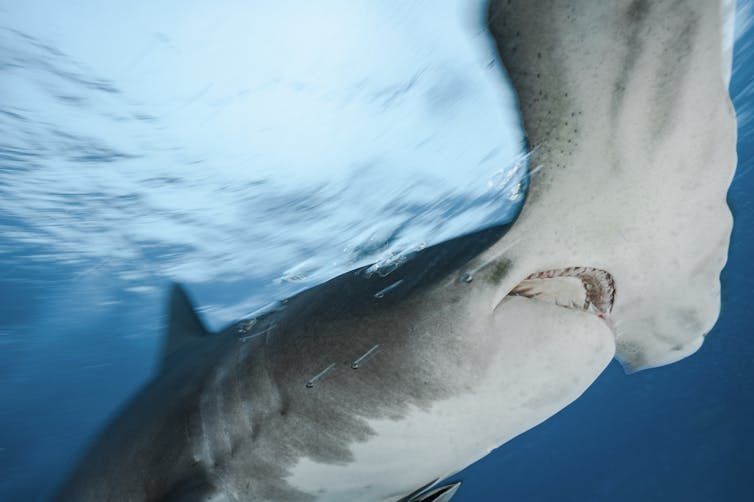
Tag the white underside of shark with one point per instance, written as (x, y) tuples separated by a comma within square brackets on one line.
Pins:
[(552, 356)]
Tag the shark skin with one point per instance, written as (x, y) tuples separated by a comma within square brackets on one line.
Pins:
[(374, 386), (231, 412), (232, 415)]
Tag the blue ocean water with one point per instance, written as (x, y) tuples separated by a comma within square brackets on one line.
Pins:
[(88, 246)]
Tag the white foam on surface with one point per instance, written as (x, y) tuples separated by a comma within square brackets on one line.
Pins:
[(254, 141)]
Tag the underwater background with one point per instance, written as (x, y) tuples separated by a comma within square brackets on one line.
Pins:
[(132, 155)]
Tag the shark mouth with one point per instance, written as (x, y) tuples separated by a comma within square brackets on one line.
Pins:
[(579, 288)]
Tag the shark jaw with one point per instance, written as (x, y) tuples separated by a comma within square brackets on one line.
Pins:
[(584, 289), (578, 288)]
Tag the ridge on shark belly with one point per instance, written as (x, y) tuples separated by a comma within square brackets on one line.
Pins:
[(372, 387)]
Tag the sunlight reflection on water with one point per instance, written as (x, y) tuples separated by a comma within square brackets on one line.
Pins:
[(282, 150)]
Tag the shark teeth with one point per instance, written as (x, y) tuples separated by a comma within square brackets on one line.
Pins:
[(578, 288)]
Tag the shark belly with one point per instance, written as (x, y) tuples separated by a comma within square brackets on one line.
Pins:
[(533, 359)]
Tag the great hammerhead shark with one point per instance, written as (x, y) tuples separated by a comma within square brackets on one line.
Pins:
[(375, 386)]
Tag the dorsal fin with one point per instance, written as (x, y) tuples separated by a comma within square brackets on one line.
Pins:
[(184, 325)]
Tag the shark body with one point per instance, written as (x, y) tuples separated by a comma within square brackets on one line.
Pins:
[(375, 386)]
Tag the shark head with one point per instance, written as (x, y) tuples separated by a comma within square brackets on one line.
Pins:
[(633, 149)]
